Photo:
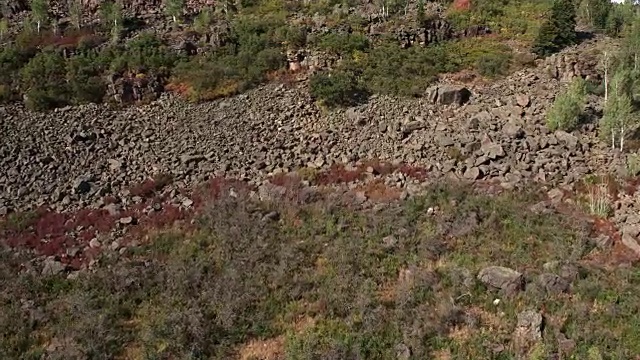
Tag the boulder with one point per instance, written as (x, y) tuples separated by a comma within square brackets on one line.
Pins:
[(448, 94), (502, 278)]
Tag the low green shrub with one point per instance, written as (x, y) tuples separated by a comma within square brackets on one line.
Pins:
[(334, 88), (341, 43), (567, 107), (493, 65)]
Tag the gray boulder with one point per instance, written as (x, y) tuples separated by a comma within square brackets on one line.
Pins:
[(502, 278)]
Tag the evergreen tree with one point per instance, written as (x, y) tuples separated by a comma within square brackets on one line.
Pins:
[(558, 31), (203, 20), (630, 49)]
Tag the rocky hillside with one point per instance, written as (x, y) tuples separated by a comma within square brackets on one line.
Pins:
[(483, 215), (97, 157), (76, 156)]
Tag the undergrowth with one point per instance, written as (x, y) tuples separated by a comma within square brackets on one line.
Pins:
[(327, 281)]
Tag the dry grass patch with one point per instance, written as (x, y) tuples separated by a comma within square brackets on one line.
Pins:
[(270, 349)]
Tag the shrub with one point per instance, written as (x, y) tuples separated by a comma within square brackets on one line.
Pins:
[(149, 52), (255, 49), (342, 44), (334, 88), (5, 93), (388, 69), (84, 75), (633, 164), (494, 64), (567, 108), (43, 79)]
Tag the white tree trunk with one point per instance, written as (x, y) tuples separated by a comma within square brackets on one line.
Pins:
[(38, 26), (622, 139), (606, 77)]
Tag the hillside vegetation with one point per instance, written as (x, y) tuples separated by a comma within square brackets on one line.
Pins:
[(323, 280), (280, 225), (50, 63)]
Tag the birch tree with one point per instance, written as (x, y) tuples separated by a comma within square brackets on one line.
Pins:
[(111, 13), (606, 64), (421, 14), (618, 115), (4, 9), (174, 8), (75, 12), (40, 12), (384, 8), (203, 20), (4, 28)]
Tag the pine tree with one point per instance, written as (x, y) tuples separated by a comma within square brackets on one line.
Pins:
[(40, 12), (631, 44), (559, 30), (174, 8)]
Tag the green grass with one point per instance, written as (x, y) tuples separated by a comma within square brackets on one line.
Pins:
[(237, 279)]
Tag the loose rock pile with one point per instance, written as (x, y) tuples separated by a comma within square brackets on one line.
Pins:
[(75, 157)]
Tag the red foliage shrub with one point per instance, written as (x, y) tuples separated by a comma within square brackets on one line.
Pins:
[(287, 180), (166, 217), (54, 246), (97, 219), (337, 174), (382, 168), (461, 4), (146, 189), (51, 224), (415, 172), (378, 191), (215, 187)]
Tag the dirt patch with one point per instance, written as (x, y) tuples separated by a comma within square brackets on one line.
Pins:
[(269, 349)]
